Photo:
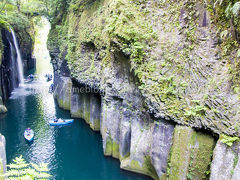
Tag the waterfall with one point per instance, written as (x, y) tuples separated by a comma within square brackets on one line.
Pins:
[(19, 59), (13, 64)]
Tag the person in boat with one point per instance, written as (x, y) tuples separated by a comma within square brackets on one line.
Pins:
[(28, 131), (49, 78), (55, 120), (51, 88), (31, 77), (61, 120)]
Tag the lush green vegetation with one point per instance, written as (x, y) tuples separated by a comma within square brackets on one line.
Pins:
[(120, 25), (10, 15), (20, 169), (228, 140), (16, 11)]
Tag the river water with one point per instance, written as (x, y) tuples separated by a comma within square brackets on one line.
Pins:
[(72, 152)]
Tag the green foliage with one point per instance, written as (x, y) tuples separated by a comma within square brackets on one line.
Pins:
[(228, 140), (18, 20), (4, 24), (120, 26), (10, 16), (34, 6), (232, 7), (196, 111), (20, 169), (190, 154)]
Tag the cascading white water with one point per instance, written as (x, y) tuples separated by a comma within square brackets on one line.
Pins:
[(13, 64), (19, 59)]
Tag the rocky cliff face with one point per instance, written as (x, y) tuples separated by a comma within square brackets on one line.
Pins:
[(9, 72), (151, 77)]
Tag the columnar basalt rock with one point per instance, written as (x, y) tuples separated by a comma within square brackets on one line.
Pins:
[(153, 67), (86, 106), (125, 133), (141, 144), (76, 105), (95, 111), (190, 154), (110, 121), (150, 147), (62, 92), (162, 137), (226, 164)]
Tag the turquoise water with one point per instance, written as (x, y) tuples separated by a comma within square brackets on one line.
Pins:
[(72, 152)]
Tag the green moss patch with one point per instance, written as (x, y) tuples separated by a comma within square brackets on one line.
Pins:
[(63, 104), (190, 154), (95, 125), (115, 152), (135, 166), (109, 147), (228, 140)]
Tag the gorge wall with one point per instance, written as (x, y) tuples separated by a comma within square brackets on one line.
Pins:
[(8, 60), (152, 77)]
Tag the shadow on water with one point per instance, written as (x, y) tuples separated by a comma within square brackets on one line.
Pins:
[(73, 152)]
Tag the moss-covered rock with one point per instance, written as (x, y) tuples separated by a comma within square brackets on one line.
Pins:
[(226, 164), (146, 168), (149, 151), (77, 108), (191, 154), (168, 53), (154, 60), (108, 147)]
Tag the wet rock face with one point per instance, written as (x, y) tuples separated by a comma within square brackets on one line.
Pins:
[(2, 156), (95, 111), (225, 164)]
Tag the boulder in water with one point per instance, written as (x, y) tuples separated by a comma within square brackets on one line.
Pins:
[(3, 109)]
